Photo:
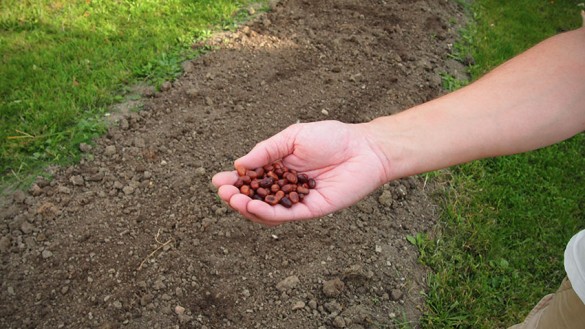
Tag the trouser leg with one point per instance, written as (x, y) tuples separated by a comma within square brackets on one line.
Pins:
[(561, 310)]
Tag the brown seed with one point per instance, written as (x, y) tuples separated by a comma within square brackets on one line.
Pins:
[(303, 178), (274, 183), (291, 178), (266, 182), (245, 190), (241, 171), (262, 192), (279, 195), (260, 172), (289, 188), (274, 188), (271, 200), (252, 174), (294, 197), (302, 190), (286, 202)]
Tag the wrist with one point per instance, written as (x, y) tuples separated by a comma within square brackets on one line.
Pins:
[(389, 143)]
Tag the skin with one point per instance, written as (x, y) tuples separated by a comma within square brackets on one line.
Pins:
[(533, 100)]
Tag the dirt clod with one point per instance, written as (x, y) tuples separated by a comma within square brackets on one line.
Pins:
[(288, 283), (85, 148), (333, 288), (110, 150), (396, 294)]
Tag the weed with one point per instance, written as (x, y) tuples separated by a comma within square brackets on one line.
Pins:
[(451, 83)]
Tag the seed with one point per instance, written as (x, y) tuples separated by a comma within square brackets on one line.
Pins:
[(303, 178), (274, 188), (260, 171), (279, 195), (274, 183), (294, 197), (286, 202), (291, 178), (272, 175), (262, 192), (241, 171), (302, 190), (289, 188), (271, 200), (266, 182), (252, 174), (245, 190)]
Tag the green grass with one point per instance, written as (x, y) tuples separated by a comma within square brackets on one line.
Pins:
[(507, 220), (62, 63)]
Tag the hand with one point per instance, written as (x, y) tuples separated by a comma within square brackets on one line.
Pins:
[(340, 157)]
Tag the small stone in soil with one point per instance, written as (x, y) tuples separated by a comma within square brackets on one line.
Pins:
[(298, 305), (288, 283), (333, 288)]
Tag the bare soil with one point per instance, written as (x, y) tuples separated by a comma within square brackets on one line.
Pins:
[(134, 236)]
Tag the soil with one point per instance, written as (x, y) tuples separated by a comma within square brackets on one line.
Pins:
[(134, 236)]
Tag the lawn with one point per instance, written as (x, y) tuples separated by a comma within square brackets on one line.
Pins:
[(506, 221), (63, 63)]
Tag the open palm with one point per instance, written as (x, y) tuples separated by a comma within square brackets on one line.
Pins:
[(338, 156)]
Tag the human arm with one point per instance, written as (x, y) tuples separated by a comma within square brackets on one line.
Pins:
[(533, 100)]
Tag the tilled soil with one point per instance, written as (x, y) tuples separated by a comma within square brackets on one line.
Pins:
[(135, 236)]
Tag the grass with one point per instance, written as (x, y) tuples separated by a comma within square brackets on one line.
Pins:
[(506, 220), (63, 63)]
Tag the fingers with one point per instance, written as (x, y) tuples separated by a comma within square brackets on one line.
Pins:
[(242, 203), (259, 211), (270, 150), (224, 178), (278, 214)]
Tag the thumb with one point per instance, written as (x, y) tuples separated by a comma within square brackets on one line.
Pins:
[(270, 150)]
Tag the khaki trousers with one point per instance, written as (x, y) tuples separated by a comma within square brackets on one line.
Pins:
[(561, 310)]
